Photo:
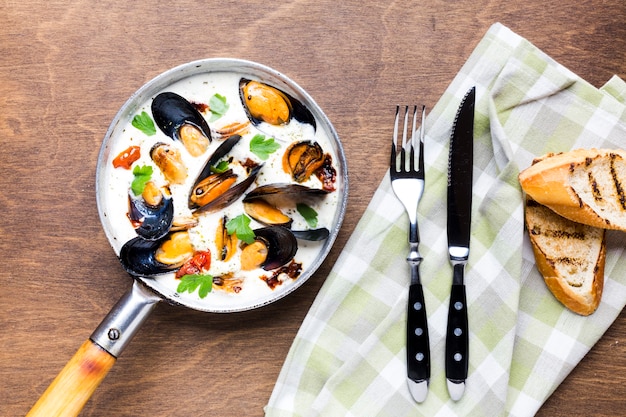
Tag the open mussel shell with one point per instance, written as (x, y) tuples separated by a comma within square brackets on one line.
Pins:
[(211, 190), (302, 159), (218, 154), (264, 202), (225, 198), (264, 103), (154, 221), (171, 111), (281, 245), (137, 256)]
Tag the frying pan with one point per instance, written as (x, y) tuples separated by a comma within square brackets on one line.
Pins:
[(74, 385)]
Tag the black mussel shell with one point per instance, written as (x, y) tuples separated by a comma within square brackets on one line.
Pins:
[(297, 110), (171, 111), (155, 222), (137, 256), (312, 234), (281, 245)]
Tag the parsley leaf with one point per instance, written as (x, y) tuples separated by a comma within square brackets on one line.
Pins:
[(222, 166), (144, 123), (218, 107), (204, 283), (309, 214), (142, 176), (262, 147), (240, 225)]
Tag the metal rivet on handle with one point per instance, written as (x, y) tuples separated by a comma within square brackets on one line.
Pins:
[(114, 334)]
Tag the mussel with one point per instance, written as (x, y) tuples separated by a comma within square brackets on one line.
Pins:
[(225, 243), (265, 213), (180, 120), (146, 258), (264, 103), (152, 212), (215, 190), (264, 204), (273, 247), (302, 159), (169, 161)]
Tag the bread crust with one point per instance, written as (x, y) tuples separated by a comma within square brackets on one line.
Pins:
[(549, 182)]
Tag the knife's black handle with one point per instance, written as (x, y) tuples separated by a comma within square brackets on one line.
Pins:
[(457, 336), (417, 343)]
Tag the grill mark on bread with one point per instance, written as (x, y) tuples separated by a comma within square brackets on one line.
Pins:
[(558, 234), (619, 190), (595, 190)]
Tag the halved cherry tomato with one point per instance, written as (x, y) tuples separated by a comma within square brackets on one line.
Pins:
[(126, 158), (200, 262)]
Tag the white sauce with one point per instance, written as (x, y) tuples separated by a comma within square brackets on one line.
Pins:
[(200, 88)]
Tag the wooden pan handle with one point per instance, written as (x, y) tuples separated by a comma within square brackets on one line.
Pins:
[(72, 388)]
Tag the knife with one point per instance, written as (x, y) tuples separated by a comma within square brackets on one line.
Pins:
[(460, 164)]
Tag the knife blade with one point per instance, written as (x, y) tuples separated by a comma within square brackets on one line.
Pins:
[(460, 165)]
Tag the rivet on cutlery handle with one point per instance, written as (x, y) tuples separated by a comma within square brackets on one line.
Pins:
[(457, 340)]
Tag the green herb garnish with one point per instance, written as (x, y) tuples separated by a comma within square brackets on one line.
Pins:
[(308, 213), (204, 284), (222, 166), (142, 176), (240, 225), (218, 107), (144, 123), (262, 147)]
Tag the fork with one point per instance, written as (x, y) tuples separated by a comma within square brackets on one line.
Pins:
[(407, 182)]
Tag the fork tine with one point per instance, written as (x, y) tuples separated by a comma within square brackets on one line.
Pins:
[(413, 132), (404, 139), (420, 167), (393, 162)]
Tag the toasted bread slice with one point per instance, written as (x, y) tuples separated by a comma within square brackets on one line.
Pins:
[(569, 255), (585, 185)]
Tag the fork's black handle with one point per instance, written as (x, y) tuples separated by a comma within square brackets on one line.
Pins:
[(417, 346), (457, 336)]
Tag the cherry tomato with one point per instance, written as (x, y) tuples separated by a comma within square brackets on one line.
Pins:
[(126, 158), (201, 261)]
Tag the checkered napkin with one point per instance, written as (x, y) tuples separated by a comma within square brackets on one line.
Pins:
[(348, 359)]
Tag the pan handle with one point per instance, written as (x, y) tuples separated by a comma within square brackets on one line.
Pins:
[(74, 385)]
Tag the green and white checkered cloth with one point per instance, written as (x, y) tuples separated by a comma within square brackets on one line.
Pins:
[(348, 359)]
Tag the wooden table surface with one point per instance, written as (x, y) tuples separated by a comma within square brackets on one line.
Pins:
[(66, 69)]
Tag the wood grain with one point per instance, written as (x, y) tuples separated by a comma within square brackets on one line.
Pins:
[(66, 69)]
